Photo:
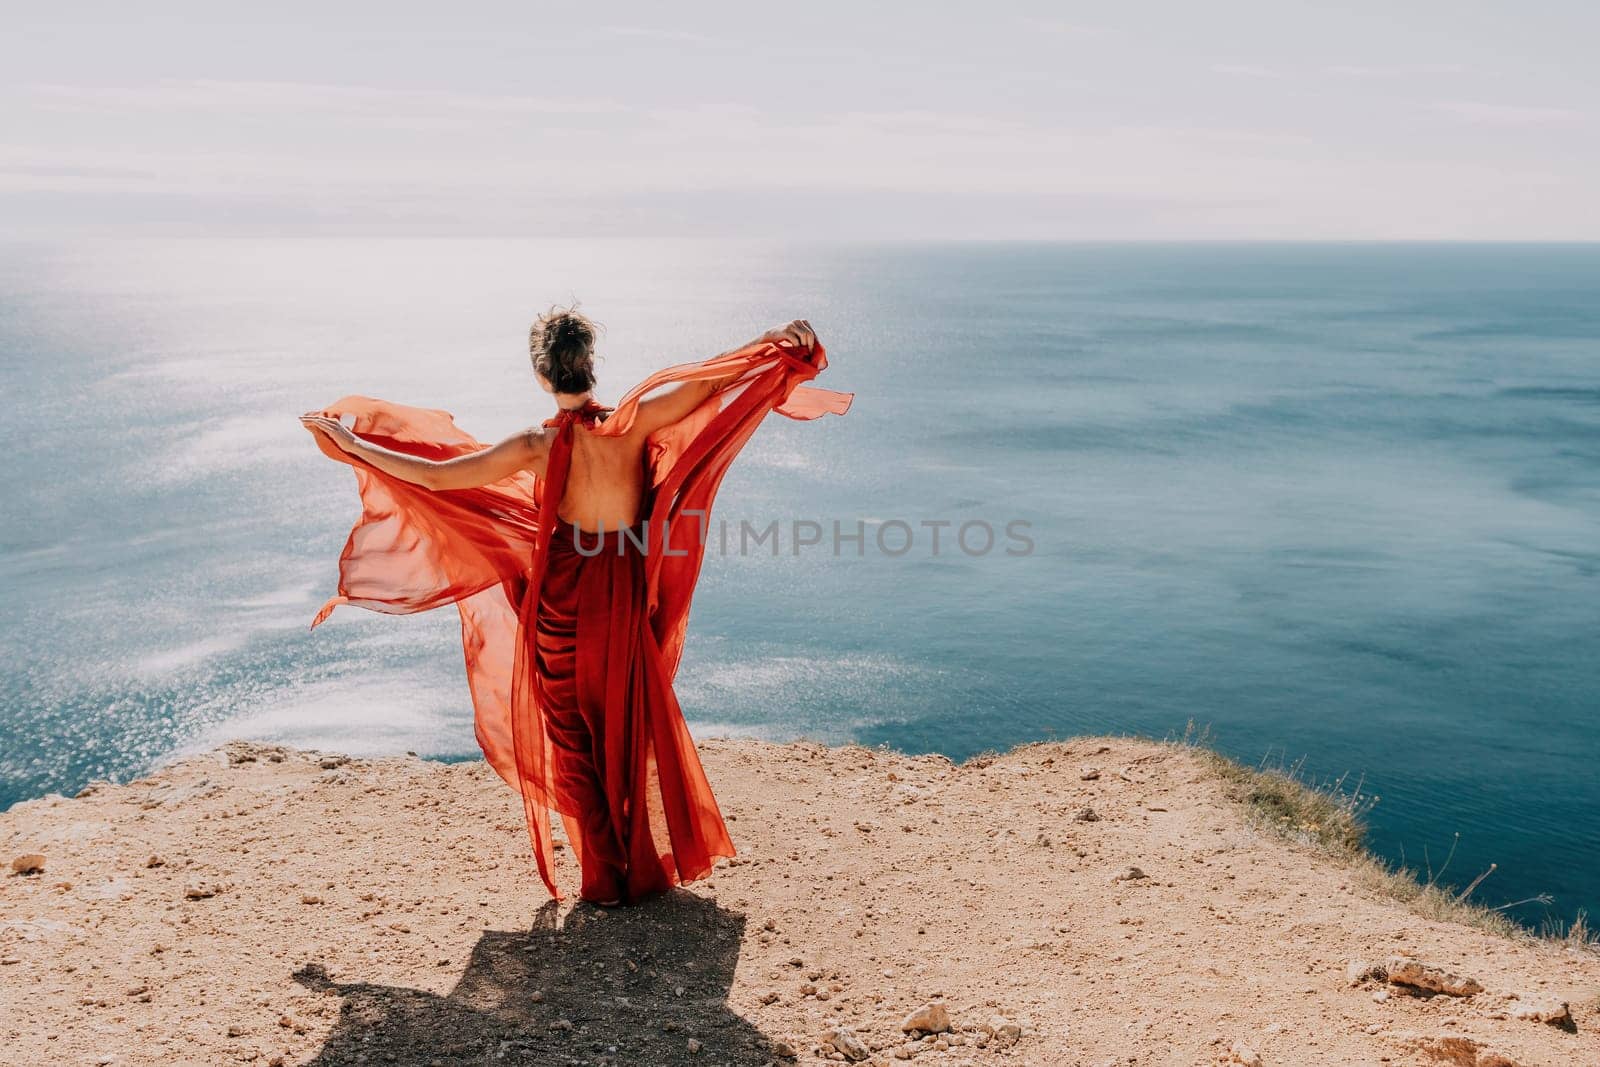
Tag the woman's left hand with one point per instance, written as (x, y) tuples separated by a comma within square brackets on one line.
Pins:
[(337, 431)]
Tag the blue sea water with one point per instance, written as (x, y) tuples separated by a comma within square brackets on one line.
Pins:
[(1338, 502)]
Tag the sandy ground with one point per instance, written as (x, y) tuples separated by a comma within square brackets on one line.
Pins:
[(261, 905)]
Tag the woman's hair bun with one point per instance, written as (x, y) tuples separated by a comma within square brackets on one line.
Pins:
[(561, 345)]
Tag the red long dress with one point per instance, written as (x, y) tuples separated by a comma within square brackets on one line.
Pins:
[(572, 644)]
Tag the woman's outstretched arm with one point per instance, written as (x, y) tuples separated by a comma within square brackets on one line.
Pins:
[(527, 450), (673, 404)]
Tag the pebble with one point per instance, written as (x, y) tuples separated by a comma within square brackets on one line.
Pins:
[(1244, 1055), (1004, 1032), (1130, 874), (1086, 814), (28, 863), (1089, 774), (1405, 971), (1541, 1009), (846, 1043), (1358, 971), (931, 1018)]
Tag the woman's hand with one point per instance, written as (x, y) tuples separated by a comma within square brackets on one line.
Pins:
[(798, 333), (336, 431)]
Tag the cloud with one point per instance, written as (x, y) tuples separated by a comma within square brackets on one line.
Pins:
[(675, 36), (1399, 70), (302, 98), (1062, 27), (1244, 70), (1507, 114)]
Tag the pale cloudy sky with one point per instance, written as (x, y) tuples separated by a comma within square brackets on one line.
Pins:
[(1474, 119)]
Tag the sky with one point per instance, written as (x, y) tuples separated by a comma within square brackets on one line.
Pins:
[(1233, 120)]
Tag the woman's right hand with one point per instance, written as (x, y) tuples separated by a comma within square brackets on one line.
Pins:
[(332, 428), (798, 333)]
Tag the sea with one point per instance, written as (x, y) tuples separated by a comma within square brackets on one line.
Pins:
[(1336, 507)]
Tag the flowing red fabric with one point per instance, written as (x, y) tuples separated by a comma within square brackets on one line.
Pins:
[(572, 645)]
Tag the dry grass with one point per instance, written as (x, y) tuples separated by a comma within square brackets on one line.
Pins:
[(1330, 817)]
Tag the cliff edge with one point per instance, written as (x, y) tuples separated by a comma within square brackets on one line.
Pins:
[(1097, 901)]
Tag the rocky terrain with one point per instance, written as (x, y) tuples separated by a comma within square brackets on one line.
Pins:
[(1099, 901)]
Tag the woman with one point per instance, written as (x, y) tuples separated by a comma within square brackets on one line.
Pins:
[(571, 551)]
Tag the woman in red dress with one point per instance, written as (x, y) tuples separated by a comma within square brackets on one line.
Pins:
[(571, 551)]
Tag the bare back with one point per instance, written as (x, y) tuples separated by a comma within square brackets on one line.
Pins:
[(605, 476), (605, 480)]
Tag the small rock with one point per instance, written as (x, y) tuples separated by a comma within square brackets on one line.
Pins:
[(1451, 1048), (1130, 874), (310, 898), (1003, 1031), (1488, 1057), (695, 1046), (1089, 774), (329, 763), (1086, 814), (1405, 971), (932, 1018), (1244, 1055), (155, 861), (201, 891), (784, 1050), (28, 863), (1541, 1009), (561, 1024), (1358, 971), (847, 1044)]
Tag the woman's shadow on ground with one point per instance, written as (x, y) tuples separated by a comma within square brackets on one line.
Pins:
[(632, 986)]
